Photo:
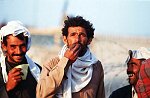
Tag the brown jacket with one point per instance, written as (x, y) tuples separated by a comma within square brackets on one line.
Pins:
[(52, 75)]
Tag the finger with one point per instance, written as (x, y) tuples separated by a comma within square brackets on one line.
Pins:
[(15, 70), (76, 48), (72, 46), (18, 73), (76, 53), (17, 77)]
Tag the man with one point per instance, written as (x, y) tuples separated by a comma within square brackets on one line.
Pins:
[(143, 84), (15, 42), (76, 73), (134, 62)]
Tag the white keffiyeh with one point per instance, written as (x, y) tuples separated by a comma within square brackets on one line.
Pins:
[(15, 28), (79, 74), (141, 53)]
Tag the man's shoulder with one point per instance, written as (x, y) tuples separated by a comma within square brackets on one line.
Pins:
[(124, 88), (123, 91), (98, 64)]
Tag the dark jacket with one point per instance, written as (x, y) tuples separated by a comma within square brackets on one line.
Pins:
[(123, 92), (29, 86)]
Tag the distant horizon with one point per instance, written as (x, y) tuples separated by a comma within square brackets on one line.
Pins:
[(140, 35), (109, 17)]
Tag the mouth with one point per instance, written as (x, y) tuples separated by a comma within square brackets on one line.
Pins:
[(18, 56), (130, 75)]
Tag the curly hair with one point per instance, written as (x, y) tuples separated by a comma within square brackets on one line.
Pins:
[(78, 21)]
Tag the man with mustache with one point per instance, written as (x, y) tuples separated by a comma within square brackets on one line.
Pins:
[(134, 62), (15, 42), (76, 73)]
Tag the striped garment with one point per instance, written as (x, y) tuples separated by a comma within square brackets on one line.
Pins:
[(143, 84)]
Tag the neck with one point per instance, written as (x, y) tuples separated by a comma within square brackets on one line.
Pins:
[(82, 52), (13, 64)]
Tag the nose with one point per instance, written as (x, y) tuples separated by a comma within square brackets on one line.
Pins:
[(18, 50), (129, 68), (78, 38)]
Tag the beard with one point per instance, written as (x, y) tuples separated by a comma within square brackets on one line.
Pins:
[(82, 50)]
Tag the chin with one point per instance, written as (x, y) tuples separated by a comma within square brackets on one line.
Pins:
[(132, 82), (18, 61)]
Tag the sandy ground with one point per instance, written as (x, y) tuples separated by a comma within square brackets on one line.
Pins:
[(111, 51)]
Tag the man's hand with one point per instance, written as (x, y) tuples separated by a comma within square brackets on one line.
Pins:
[(14, 77), (73, 52)]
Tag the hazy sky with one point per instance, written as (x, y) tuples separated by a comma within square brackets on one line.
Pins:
[(120, 17)]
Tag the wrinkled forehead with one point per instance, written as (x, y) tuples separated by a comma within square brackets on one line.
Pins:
[(133, 60), (19, 36)]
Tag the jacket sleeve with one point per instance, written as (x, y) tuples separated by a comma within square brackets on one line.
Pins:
[(51, 76), (3, 92), (101, 89)]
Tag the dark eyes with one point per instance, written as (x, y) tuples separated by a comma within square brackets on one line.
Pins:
[(72, 34), (81, 34), (15, 46)]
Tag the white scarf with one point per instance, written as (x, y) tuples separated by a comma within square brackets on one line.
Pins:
[(35, 71), (79, 74), (15, 28), (141, 53)]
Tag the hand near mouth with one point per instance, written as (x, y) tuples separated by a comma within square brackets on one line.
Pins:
[(73, 52)]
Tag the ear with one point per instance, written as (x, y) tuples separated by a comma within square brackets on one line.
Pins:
[(65, 39), (89, 41), (4, 48)]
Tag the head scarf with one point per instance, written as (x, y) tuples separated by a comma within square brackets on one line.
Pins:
[(141, 53), (15, 28)]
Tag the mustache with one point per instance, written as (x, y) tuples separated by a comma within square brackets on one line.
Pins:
[(130, 72), (78, 43), (22, 54)]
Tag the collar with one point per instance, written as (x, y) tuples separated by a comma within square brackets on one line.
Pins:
[(134, 94)]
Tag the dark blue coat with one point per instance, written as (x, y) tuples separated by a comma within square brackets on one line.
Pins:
[(123, 92)]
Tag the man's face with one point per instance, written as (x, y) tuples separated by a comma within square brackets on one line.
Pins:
[(77, 35), (15, 49), (133, 67)]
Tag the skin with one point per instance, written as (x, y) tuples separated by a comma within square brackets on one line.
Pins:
[(77, 42), (15, 53), (133, 67)]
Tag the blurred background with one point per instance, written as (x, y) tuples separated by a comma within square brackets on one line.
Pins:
[(119, 25)]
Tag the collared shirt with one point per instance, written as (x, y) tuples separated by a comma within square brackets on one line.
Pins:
[(134, 94)]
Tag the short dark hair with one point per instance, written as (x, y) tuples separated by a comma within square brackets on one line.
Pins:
[(78, 21), (19, 36)]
